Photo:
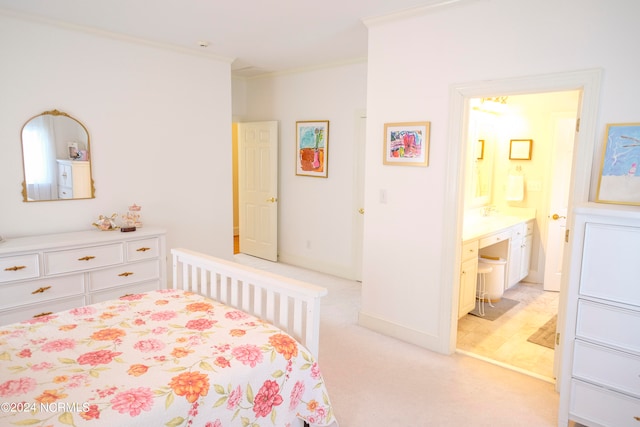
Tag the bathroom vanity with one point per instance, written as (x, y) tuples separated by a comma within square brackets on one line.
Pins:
[(507, 237)]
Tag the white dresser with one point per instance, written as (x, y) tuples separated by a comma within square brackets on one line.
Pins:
[(600, 382), (48, 273)]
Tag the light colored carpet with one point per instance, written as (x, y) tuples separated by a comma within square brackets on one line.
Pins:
[(377, 381)]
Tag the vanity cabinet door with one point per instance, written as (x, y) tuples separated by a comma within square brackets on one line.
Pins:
[(468, 278)]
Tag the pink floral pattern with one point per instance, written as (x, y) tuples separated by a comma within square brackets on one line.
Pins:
[(160, 358)]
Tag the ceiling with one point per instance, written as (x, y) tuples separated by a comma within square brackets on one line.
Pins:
[(256, 36)]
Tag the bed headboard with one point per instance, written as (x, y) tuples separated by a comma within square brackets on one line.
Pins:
[(291, 305)]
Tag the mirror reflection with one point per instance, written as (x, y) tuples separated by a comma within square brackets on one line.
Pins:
[(56, 158)]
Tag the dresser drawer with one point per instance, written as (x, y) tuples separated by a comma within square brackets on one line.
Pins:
[(28, 312), (19, 267), (470, 250), (608, 325), (610, 264), (124, 275), (604, 407), (83, 259), (123, 291), (138, 250), (621, 371), (495, 238), (16, 294)]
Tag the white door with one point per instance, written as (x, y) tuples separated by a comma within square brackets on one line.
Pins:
[(563, 138), (258, 189)]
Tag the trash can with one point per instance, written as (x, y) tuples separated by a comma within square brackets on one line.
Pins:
[(494, 280)]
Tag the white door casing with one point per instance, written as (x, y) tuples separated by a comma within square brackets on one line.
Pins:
[(258, 189)]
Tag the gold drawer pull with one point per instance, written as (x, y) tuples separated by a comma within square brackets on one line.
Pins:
[(125, 274), (41, 290), (636, 418), (143, 249), (15, 268), (86, 258), (46, 313), (125, 295)]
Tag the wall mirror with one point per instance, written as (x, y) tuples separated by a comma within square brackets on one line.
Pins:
[(482, 138), (56, 158)]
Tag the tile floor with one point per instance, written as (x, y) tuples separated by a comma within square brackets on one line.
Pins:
[(504, 340)]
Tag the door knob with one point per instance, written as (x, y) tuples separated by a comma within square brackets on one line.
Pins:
[(361, 211), (556, 217), (272, 200)]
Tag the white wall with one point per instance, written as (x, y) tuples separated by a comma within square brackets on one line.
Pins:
[(318, 211), (412, 64), (160, 128)]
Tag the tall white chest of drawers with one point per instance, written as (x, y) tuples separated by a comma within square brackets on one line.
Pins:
[(600, 382), (44, 274)]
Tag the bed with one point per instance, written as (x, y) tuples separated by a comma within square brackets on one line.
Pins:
[(226, 345)]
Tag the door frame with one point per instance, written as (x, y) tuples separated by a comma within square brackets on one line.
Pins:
[(588, 81)]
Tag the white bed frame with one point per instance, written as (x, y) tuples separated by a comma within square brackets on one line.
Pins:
[(289, 304)]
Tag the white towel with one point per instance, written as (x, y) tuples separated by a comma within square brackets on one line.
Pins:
[(515, 188)]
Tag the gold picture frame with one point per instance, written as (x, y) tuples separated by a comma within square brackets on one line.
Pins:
[(406, 144), (480, 149), (520, 149)]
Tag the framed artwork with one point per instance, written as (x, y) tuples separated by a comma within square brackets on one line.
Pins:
[(312, 145), (73, 150), (520, 149), (406, 144), (619, 180), (480, 149)]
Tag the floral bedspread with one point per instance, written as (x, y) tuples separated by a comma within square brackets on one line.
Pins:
[(163, 358)]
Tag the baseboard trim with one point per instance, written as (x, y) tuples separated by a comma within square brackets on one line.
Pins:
[(412, 336)]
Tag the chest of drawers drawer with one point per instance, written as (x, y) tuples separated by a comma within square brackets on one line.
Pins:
[(608, 325), (621, 371), (19, 267), (21, 293), (605, 407), (123, 275), (57, 262), (34, 311), (115, 293), (138, 250)]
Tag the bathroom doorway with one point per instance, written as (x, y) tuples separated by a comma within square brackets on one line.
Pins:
[(548, 120)]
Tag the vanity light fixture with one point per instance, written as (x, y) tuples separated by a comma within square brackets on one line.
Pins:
[(493, 105)]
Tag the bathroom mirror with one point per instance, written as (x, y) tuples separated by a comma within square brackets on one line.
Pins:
[(56, 158), (480, 159)]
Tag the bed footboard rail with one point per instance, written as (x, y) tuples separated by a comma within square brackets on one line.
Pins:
[(289, 304)]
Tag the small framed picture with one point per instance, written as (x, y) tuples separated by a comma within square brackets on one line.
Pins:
[(406, 144), (619, 180), (480, 149), (520, 149), (312, 148), (73, 150)]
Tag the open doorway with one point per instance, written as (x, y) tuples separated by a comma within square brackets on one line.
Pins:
[(519, 329), (585, 81)]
